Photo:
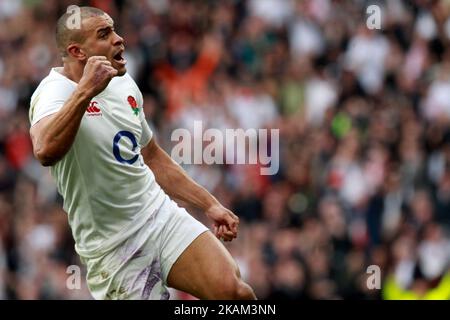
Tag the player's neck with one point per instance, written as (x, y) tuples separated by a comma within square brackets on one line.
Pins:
[(72, 71)]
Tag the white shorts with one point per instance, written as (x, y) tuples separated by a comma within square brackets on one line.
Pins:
[(138, 269)]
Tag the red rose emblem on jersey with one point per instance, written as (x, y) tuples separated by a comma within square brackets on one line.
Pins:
[(133, 104)]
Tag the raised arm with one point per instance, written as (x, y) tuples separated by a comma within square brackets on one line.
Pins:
[(53, 136), (177, 184)]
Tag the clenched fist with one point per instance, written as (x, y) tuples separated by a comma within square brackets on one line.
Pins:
[(225, 222), (97, 74)]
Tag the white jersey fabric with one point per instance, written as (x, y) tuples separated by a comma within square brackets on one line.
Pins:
[(109, 193)]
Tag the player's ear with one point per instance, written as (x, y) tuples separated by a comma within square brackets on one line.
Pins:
[(74, 50)]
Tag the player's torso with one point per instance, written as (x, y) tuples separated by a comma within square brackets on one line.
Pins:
[(111, 127), (104, 165), (108, 191)]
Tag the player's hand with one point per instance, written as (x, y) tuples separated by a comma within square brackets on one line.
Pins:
[(225, 222), (97, 74)]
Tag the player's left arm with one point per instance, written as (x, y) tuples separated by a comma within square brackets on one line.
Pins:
[(177, 184)]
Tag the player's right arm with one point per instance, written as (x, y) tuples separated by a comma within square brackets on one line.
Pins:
[(53, 136)]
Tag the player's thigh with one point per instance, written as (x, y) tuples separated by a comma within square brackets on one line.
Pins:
[(205, 266)]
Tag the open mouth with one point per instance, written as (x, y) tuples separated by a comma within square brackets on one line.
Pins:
[(118, 57)]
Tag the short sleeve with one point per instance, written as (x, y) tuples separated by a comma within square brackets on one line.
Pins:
[(147, 133), (49, 98)]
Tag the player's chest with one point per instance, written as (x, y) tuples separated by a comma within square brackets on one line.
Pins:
[(116, 107), (113, 112)]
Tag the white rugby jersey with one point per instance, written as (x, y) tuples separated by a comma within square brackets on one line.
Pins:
[(108, 191)]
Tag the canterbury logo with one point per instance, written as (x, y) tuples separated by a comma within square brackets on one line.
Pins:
[(93, 109)]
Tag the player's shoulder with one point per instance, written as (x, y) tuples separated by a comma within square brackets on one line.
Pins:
[(54, 88), (125, 79), (54, 83), (124, 83)]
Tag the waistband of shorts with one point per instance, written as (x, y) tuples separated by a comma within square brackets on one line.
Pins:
[(127, 231)]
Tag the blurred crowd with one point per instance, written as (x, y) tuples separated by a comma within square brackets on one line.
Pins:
[(364, 120)]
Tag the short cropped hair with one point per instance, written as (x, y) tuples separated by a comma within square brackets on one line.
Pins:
[(66, 35)]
